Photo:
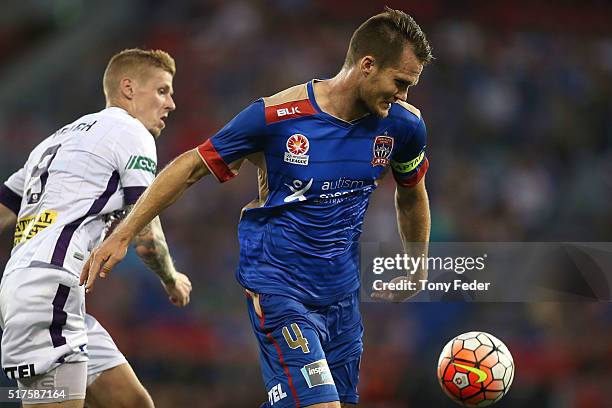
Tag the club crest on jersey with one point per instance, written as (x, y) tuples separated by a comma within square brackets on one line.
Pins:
[(383, 146), (297, 147)]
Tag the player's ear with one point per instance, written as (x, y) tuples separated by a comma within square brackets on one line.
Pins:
[(126, 87), (367, 65)]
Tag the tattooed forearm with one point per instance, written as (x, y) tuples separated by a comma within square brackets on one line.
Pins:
[(151, 247)]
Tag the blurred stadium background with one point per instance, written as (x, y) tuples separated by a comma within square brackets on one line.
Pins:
[(518, 108)]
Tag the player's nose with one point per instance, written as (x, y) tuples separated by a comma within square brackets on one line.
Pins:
[(402, 95), (171, 105)]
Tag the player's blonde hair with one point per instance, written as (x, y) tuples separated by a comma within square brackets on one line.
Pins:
[(134, 62)]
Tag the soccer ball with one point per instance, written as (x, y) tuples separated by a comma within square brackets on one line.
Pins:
[(475, 369)]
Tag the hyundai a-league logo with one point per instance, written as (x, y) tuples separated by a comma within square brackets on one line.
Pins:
[(297, 144), (383, 146), (297, 147)]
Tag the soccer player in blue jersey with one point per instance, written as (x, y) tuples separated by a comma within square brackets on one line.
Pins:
[(320, 149)]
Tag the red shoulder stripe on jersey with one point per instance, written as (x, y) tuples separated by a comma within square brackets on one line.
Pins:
[(415, 178), (289, 110), (214, 162)]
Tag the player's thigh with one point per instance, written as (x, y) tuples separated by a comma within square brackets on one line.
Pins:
[(118, 387), (344, 348), (103, 352), (292, 360)]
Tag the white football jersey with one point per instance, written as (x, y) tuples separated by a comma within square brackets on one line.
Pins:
[(72, 182)]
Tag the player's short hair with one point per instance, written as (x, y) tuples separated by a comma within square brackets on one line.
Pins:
[(384, 36), (134, 62)]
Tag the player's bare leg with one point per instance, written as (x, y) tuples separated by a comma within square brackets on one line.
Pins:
[(65, 404), (118, 388), (334, 404)]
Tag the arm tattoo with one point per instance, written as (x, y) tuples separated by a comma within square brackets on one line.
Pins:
[(151, 247)]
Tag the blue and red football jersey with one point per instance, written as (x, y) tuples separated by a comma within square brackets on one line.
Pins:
[(300, 237)]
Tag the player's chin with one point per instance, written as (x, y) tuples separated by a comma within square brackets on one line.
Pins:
[(156, 131), (382, 113), (382, 110)]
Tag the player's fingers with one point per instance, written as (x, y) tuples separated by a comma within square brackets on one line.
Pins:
[(105, 270), (91, 278), (182, 301), (97, 263), (108, 265), (94, 268), (85, 272)]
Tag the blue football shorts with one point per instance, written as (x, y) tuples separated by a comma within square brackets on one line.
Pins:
[(308, 354)]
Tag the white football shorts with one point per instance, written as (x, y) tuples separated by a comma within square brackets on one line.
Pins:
[(103, 353), (42, 315)]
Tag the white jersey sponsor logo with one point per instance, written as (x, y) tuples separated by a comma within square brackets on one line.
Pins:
[(299, 191), (276, 394)]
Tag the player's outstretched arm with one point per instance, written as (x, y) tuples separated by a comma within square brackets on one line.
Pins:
[(7, 218), (167, 187), (414, 224)]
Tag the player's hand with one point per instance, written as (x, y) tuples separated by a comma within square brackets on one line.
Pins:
[(395, 296), (179, 290), (102, 260)]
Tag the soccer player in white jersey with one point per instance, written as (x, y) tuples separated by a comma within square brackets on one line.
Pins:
[(73, 187)]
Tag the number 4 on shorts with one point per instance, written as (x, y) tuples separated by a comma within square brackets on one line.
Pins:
[(300, 340)]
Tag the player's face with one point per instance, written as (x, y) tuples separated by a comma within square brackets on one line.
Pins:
[(384, 86), (152, 100)]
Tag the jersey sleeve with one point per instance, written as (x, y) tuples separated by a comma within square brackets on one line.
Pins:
[(242, 136), (409, 163), (11, 191), (135, 156)]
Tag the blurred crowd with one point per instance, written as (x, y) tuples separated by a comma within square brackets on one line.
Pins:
[(519, 117)]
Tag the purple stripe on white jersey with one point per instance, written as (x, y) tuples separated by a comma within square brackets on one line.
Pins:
[(131, 194), (59, 316), (10, 199), (61, 247)]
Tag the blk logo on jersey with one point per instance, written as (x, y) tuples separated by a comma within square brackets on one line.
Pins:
[(297, 147), (383, 146), (295, 110)]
